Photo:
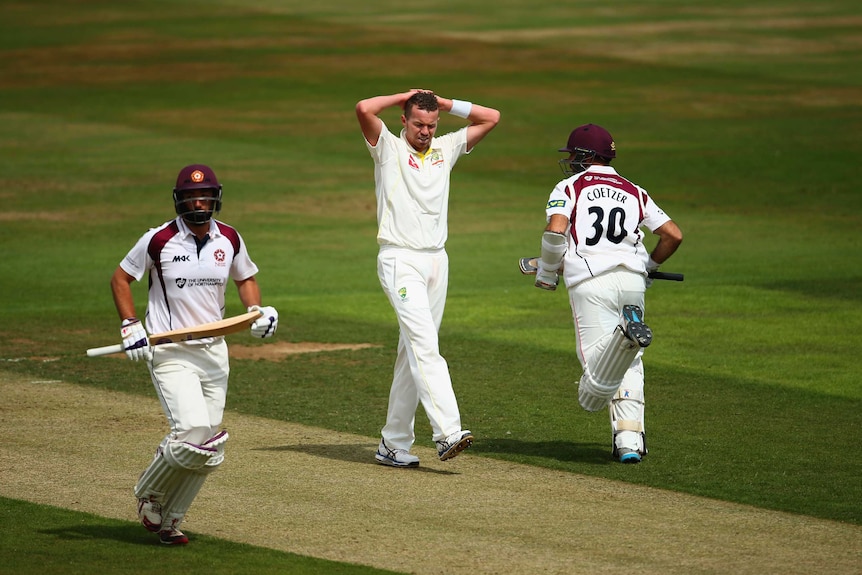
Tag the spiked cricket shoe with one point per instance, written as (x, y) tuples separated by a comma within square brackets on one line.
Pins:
[(629, 446), (626, 455), (454, 444), (395, 457), (634, 326), (173, 536), (170, 533)]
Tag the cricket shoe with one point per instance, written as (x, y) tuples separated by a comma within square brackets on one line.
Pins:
[(171, 534), (634, 326), (150, 514), (626, 455), (395, 457), (629, 446), (173, 537), (454, 444)]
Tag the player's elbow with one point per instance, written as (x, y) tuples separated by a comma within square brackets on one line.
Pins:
[(676, 236), (670, 233), (363, 109), (493, 118)]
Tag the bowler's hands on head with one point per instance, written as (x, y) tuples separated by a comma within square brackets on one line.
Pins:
[(409, 94), (135, 342), (265, 325)]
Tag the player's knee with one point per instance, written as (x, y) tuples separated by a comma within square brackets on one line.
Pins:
[(216, 442), (197, 435), (196, 455)]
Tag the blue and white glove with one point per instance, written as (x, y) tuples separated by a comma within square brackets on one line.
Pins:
[(650, 267), (135, 342), (265, 325)]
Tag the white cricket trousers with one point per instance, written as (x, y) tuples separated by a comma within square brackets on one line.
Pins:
[(416, 282), (191, 382), (596, 306)]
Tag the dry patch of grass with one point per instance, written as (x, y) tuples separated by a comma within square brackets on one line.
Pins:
[(319, 493), (278, 350)]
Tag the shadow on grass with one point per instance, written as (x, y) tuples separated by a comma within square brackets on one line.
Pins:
[(362, 453), (132, 533), (568, 451)]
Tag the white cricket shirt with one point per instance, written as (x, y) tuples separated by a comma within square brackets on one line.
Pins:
[(187, 285), (412, 188), (605, 212)]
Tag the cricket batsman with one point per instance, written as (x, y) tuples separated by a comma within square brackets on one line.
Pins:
[(190, 261), (595, 233)]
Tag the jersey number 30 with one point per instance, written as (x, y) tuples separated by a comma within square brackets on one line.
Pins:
[(614, 230)]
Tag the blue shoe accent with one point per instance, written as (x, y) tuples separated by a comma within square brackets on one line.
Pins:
[(634, 327), (630, 457)]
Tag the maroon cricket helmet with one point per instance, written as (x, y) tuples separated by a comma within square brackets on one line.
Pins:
[(196, 177), (592, 138)]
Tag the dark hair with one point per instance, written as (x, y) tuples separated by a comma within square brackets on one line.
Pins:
[(423, 100)]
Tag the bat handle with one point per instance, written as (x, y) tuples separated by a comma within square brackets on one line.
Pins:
[(105, 350), (666, 276)]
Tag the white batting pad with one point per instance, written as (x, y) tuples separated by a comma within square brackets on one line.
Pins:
[(216, 442), (627, 417), (627, 410), (614, 360), (180, 498), (176, 459), (592, 395), (603, 377), (184, 455)]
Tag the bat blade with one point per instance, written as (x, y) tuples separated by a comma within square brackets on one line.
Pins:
[(222, 327), (529, 266), (213, 329)]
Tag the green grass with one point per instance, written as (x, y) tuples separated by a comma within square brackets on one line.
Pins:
[(53, 541), (741, 119)]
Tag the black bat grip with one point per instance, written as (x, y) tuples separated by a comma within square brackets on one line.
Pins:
[(666, 276)]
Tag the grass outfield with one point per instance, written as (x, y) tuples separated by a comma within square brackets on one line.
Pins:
[(742, 120)]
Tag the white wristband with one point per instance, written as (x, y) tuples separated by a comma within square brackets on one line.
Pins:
[(461, 108)]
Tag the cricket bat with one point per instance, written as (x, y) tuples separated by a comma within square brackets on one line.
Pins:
[(216, 328), (529, 267)]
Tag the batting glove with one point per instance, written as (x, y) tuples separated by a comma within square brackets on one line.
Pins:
[(546, 279), (135, 342), (650, 267), (265, 325)]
